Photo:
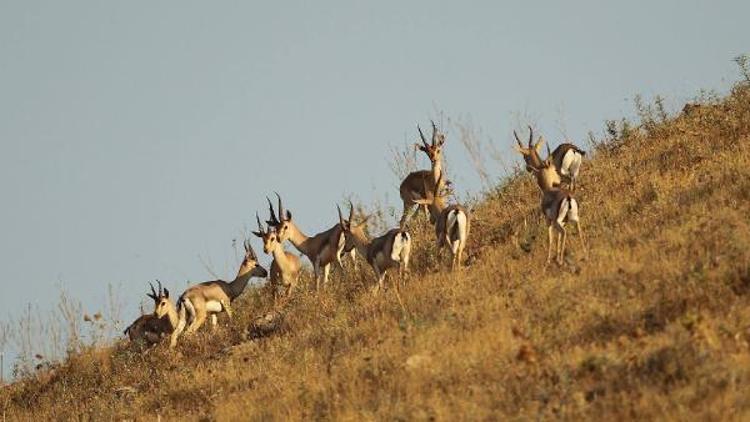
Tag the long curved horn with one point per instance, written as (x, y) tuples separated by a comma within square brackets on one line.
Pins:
[(282, 211), (434, 132), (161, 290), (260, 226), (531, 136), (421, 135), (341, 217), (152, 295), (520, 144), (351, 211), (249, 249), (549, 154), (273, 221)]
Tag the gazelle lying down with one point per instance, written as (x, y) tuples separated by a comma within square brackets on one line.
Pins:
[(214, 297), (390, 250), (150, 328)]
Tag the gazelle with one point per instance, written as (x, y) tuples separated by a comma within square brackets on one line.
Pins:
[(413, 186), (322, 249), (452, 224), (285, 268), (566, 158), (151, 327), (214, 297), (558, 206), (390, 250)]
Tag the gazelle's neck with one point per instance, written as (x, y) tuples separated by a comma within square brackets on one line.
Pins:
[(237, 286), (174, 318), (279, 255), (299, 239), (437, 169), (361, 242)]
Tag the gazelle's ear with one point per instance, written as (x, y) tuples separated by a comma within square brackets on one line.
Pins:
[(166, 293), (257, 234), (523, 151)]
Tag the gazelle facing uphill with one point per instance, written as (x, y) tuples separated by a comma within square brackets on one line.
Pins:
[(285, 267), (566, 157), (452, 224), (322, 249), (150, 328), (390, 250), (558, 206), (213, 297), (413, 186)]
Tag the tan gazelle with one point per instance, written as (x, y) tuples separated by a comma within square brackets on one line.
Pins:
[(558, 206), (285, 268), (452, 224), (213, 297), (322, 250), (566, 158), (390, 250), (150, 328), (413, 186)]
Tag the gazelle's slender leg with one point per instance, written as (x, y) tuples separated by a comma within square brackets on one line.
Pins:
[(326, 272), (407, 212), (353, 254), (550, 231), (200, 318), (176, 333), (214, 321), (564, 235), (316, 272), (227, 307)]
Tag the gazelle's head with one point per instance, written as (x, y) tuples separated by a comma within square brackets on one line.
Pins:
[(270, 239), (250, 263), (162, 303), (351, 229), (546, 173), (282, 224), (434, 150), (530, 153)]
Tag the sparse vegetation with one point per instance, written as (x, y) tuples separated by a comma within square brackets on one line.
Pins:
[(654, 324)]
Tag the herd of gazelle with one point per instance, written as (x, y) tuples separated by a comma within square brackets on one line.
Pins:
[(424, 188)]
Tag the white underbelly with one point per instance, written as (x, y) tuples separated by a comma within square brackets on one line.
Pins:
[(214, 306)]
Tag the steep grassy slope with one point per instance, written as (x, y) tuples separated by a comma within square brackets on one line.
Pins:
[(653, 322)]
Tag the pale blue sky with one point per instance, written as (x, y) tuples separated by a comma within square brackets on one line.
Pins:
[(137, 136)]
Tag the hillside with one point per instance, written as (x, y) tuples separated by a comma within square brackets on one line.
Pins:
[(654, 322)]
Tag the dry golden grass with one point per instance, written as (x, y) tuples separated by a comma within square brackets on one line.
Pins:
[(653, 323)]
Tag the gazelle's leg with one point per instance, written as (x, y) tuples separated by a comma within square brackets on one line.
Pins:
[(200, 318), (227, 307), (214, 321), (406, 213), (177, 331), (550, 232), (353, 254), (326, 272), (564, 236), (316, 272)]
